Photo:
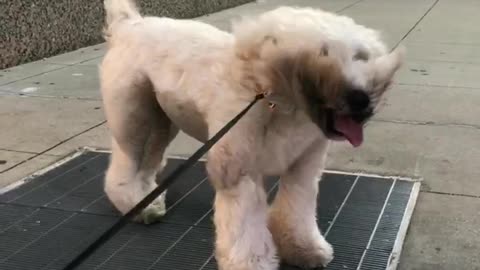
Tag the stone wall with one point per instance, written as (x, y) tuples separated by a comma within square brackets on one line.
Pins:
[(34, 29)]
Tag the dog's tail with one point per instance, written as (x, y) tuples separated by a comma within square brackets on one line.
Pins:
[(116, 11)]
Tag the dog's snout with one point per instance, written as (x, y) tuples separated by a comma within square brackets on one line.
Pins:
[(358, 100), (359, 103)]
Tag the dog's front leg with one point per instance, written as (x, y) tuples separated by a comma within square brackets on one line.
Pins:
[(292, 218), (243, 241)]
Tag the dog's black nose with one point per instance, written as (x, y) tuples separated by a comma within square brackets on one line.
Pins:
[(359, 103), (357, 100)]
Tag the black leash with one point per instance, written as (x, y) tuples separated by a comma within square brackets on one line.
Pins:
[(122, 221)]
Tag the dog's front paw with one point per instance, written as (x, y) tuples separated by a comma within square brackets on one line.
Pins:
[(254, 262), (248, 254), (319, 255), (313, 253)]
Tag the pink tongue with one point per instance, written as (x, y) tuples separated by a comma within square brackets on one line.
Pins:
[(352, 130)]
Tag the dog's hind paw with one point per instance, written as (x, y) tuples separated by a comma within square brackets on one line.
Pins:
[(153, 213)]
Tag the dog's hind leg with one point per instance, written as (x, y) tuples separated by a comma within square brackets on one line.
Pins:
[(141, 132), (292, 219)]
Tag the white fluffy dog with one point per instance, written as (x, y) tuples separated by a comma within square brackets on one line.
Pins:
[(324, 73)]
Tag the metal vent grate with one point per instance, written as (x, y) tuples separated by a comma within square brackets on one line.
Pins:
[(45, 221)]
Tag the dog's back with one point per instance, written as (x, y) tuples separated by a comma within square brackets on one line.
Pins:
[(123, 20), (179, 62)]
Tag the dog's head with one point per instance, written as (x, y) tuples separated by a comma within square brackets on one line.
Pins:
[(338, 91), (341, 96), (338, 85)]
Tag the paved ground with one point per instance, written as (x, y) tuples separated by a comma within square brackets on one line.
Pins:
[(429, 127)]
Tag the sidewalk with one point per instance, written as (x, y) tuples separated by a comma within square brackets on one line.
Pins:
[(429, 126)]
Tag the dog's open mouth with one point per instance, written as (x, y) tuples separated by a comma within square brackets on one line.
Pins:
[(341, 127)]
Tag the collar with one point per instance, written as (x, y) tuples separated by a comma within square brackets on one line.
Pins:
[(278, 104)]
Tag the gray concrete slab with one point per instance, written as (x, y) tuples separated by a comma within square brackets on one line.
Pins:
[(14, 74), (438, 52), (444, 234), (458, 12), (446, 157), (79, 81), (35, 124), (451, 22), (393, 18), (9, 159), (446, 33), (79, 56), (92, 62), (431, 105), (448, 74), (97, 137), (26, 168)]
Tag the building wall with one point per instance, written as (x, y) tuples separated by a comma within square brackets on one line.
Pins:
[(34, 29)]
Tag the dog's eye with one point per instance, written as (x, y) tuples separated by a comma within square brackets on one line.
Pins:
[(361, 55)]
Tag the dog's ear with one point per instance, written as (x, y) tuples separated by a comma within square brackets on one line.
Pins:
[(385, 68), (319, 75)]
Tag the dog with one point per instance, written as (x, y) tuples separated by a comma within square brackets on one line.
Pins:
[(325, 76)]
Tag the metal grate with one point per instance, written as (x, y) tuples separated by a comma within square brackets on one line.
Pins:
[(47, 220)]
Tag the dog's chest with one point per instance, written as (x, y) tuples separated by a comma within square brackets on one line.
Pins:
[(284, 142)]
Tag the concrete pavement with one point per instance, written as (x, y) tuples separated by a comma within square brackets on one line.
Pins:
[(429, 126)]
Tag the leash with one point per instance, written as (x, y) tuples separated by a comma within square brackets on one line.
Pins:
[(122, 221)]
